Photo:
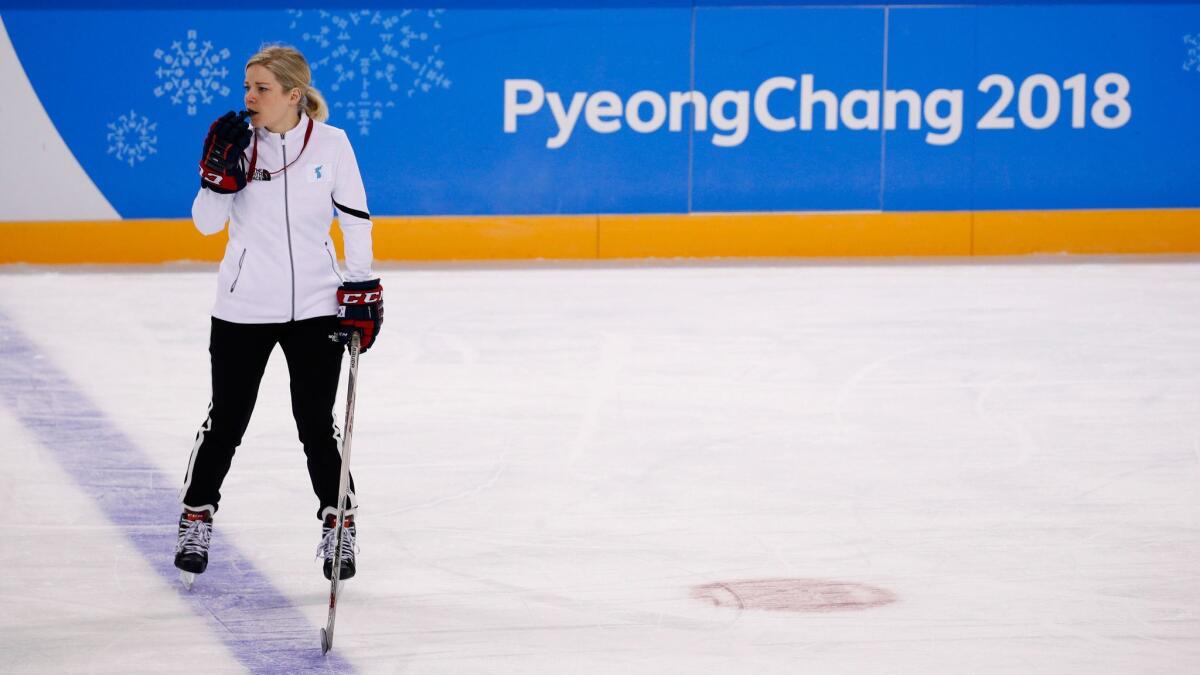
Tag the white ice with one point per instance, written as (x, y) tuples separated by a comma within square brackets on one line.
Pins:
[(549, 458)]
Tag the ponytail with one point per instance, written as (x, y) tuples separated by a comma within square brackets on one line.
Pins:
[(314, 104)]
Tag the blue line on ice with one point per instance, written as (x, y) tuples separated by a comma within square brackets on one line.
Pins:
[(264, 631)]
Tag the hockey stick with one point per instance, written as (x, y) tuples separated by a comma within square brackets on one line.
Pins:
[(343, 486)]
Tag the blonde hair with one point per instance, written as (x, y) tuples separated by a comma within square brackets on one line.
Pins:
[(289, 66)]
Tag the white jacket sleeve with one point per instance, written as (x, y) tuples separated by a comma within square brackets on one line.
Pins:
[(211, 210), (350, 200)]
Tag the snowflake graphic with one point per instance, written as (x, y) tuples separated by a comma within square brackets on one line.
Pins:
[(191, 72), (1193, 62), (365, 60), (132, 138)]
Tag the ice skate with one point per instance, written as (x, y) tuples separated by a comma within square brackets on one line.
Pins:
[(191, 551), (329, 543)]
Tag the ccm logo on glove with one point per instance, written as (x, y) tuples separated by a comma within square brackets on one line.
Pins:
[(361, 298)]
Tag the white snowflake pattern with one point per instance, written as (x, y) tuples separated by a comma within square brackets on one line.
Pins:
[(191, 72), (367, 58), (132, 138), (1193, 52)]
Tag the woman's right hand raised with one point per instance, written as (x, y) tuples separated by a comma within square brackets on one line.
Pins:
[(223, 166)]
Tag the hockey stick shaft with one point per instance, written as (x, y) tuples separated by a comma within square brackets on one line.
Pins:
[(343, 488)]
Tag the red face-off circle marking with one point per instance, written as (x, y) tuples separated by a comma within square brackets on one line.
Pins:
[(793, 595)]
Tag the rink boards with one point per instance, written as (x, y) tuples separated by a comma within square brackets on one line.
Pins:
[(985, 233), (610, 132)]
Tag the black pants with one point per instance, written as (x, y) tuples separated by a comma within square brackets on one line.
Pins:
[(239, 357)]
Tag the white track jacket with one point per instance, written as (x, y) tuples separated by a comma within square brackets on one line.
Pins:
[(280, 264)]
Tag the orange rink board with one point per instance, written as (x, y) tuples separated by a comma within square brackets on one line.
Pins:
[(699, 235)]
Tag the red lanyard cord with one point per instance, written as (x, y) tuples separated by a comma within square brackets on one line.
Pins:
[(254, 154)]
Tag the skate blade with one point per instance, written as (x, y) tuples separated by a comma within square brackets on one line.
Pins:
[(325, 645), (188, 579)]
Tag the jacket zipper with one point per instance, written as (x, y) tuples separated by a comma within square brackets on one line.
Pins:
[(288, 221), (333, 263), (239, 272)]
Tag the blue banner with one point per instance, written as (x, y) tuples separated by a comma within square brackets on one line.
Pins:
[(674, 108)]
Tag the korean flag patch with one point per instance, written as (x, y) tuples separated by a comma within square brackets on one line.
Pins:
[(319, 173)]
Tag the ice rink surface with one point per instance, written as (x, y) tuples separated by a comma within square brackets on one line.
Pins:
[(985, 467)]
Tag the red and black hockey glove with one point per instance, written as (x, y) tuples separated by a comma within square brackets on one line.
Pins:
[(223, 166), (360, 308)]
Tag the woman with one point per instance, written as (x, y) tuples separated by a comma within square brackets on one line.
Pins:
[(277, 185)]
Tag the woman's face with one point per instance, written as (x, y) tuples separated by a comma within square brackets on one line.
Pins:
[(272, 107)]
